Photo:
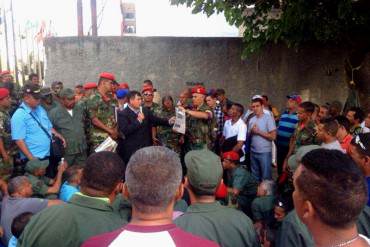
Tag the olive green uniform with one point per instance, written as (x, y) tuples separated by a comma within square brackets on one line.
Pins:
[(48, 108), (226, 226), (166, 135), (363, 222), (72, 129), (72, 223), (263, 209), (40, 186), (10, 147), (199, 131), (245, 182), (105, 112)]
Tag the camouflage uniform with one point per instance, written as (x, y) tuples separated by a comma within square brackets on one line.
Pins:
[(105, 112), (165, 134), (9, 145), (155, 108), (199, 131), (305, 136), (82, 103)]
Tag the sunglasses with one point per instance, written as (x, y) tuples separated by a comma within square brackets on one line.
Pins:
[(148, 94), (359, 143)]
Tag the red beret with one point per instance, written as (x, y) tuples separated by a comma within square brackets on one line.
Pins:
[(4, 92), (123, 85), (231, 155), (107, 75), (5, 72), (147, 88), (90, 85), (199, 89), (221, 191)]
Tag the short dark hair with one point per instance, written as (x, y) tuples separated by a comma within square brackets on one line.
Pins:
[(359, 113), (330, 125), (220, 91), (255, 100), (343, 121), (32, 75), (19, 223), (239, 107), (308, 106), (152, 177), (132, 94), (265, 97), (167, 97), (334, 185), (71, 173), (362, 143), (103, 171), (147, 81), (325, 106)]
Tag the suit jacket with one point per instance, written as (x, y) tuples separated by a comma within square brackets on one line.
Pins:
[(136, 135)]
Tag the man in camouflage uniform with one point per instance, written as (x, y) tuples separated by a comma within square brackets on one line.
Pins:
[(14, 89), (166, 136), (148, 96), (101, 106), (199, 120), (7, 146)]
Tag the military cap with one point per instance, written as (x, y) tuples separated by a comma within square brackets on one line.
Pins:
[(5, 72), (199, 89), (32, 89), (124, 85), (90, 85), (4, 92), (295, 159), (45, 91), (231, 155), (204, 170), (67, 93), (35, 164), (147, 88), (107, 75)]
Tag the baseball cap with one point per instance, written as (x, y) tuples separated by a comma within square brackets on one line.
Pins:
[(295, 159), (121, 93), (257, 96), (32, 89), (67, 93), (204, 170), (4, 92), (296, 97), (35, 164)]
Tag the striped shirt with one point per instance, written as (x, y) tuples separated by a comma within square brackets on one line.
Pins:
[(287, 125)]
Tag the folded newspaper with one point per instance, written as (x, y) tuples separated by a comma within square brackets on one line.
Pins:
[(107, 145), (180, 122)]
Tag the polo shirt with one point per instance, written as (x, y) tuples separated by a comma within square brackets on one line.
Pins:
[(24, 127), (67, 191), (265, 123), (238, 129), (135, 235), (287, 125), (226, 226)]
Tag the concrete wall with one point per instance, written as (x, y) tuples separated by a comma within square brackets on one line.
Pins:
[(171, 62)]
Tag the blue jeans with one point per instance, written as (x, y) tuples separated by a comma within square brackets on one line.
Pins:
[(261, 165)]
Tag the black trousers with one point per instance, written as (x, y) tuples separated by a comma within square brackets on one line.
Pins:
[(282, 152)]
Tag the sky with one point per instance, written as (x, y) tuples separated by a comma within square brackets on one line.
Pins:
[(154, 18)]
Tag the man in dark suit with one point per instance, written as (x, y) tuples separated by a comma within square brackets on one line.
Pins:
[(134, 124)]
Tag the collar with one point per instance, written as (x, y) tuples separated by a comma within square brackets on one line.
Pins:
[(104, 199), (98, 203), (26, 107), (203, 207), (132, 109), (148, 229)]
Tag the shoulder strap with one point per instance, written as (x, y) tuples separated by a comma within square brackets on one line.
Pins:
[(38, 123)]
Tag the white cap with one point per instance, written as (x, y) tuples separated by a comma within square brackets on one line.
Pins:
[(257, 97)]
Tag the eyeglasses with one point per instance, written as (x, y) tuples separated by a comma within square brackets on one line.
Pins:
[(148, 94), (358, 142)]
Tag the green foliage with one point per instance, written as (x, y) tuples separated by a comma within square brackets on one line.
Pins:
[(293, 22)]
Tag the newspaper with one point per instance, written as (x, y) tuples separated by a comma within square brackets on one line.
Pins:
[(107, 145), (180, 122)]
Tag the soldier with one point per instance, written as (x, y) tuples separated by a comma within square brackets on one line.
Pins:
[(199, 120), (47, 100), (68, 119), (166, 136), (148, 95), (101, 106), (56, 87), (7, 146), (14, 89), (43, 186)]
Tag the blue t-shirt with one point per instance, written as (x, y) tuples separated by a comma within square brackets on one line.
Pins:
[(265, 123), (13, 242), (67, 191), (24, 127), (287, 125)]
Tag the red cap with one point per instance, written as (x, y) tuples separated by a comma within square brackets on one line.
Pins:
[(4, 92), (199, 89), (221, 191), (107, 75), (90, 85), (147, 88), (231, 155), (123, 85), (5, 72)]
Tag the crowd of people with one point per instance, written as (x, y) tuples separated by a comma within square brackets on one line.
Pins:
[(237, 176)]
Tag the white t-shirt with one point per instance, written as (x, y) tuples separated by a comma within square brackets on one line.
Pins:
[(365, 238), (70, 112), (364, 128), (239, 129), (335, 145)]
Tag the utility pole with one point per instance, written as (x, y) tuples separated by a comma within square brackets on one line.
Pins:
[(14, 44), (6, 42), (21, 54), (80, 25), (94, 22)]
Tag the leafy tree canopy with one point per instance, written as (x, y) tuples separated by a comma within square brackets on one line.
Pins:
[(293, 22)]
